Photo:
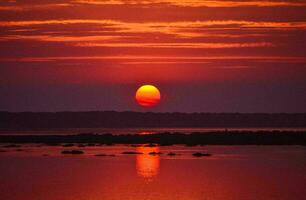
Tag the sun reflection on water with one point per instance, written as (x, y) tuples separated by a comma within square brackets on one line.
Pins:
[(147, 166), (146, 133)]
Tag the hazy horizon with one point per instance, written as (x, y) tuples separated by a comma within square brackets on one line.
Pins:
[(148, 111)]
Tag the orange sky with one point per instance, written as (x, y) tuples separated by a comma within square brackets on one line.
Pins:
[(116, 43)]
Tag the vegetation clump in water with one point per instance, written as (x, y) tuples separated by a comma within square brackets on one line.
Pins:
[(155, 153), (199, 154), (75, 152), (131, 152)]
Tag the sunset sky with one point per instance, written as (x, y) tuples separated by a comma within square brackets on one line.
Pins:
[(204, 56)]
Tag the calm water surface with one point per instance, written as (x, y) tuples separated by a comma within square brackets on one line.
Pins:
[(34, 172)]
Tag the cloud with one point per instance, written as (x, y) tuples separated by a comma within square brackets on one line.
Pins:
[(183, 29), (41, 5), (155, 26), (31, 7), (55, 38), (193, 3), (179, 45), (157, 58)]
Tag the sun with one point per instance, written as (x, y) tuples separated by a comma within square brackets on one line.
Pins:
[(148, 96)]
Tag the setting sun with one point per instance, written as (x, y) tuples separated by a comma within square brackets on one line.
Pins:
[(148, 95), (152, 99)]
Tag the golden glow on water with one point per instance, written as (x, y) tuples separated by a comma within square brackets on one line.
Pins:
[(146, 133), (147, 166), (233, 173)]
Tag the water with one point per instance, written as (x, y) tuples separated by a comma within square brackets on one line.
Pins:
[(117, 131), (231, 173)]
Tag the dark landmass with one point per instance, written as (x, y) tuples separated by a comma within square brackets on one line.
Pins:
[(131, 152), (150, 145), (213, 138), (19, 150), (75, 152), (67, 145), (155, 153), (12, 146), (112, 119), (103, 155), (199, 154)]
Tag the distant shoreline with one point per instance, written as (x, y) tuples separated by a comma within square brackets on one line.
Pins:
[(141, 131), (112, 119), (167, 138)]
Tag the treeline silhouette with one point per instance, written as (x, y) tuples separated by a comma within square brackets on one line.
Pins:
[(112, 119), (212, 138)]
